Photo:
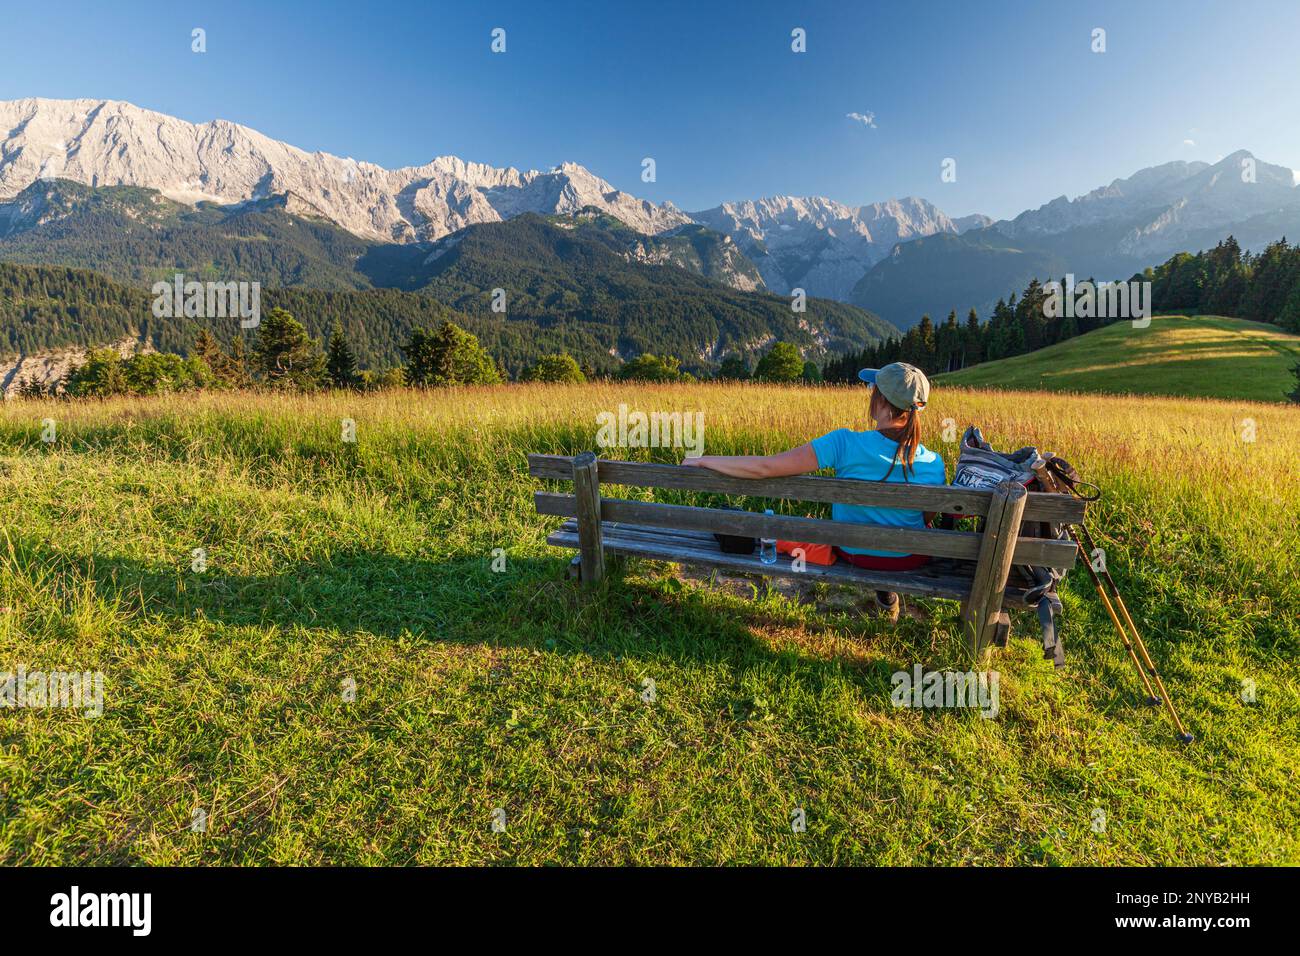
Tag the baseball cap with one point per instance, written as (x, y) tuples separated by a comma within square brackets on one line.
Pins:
[(904, 385)]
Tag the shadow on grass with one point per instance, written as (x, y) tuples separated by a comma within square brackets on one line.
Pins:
[(461, 600)]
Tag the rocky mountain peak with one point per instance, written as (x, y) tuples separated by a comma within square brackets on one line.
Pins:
[(108, 142)]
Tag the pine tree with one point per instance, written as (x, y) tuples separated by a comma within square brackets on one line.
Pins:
[(918, 345), (447, 356), (340, 362), (99, 376), (207, 348), (1031, 317), (241, 375), (286, 354), (973, 341), (1289, 317), (947, 345)]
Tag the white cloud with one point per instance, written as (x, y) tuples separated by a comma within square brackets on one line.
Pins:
[(1189, 142), (866, 119), (1295, 177)]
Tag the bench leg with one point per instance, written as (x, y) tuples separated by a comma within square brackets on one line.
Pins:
[(586, 487), (981, 610), (573, 570), (1001, 629)]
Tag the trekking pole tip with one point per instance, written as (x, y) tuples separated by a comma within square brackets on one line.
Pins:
[(1186, 738), (1153, 701)]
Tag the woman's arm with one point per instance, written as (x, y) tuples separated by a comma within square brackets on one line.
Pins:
[(796, 461)]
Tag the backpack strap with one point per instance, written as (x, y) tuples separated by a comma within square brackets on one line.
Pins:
[(1049, 609), (1066, 475)]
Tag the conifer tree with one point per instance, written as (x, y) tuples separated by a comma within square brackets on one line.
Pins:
[(340, 362)]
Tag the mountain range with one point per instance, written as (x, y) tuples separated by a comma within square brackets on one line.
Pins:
[(820, 245), (222, 197), (1112, 232), (110, 143), (814, 243)]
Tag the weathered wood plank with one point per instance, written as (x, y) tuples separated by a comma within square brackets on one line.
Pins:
[(908, 582), (942, 498), (997, 551), (587, 509), (940, 569), (936, 543)]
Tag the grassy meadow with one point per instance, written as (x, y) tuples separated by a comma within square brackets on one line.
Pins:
[(1203, 355), (332, 564)]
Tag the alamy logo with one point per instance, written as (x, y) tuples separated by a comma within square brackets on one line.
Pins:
[(637, 429), (974, 690), (208, 300), (1098, 300), (103, 909), (42, 689)]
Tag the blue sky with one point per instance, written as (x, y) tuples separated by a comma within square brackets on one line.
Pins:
[(711, 90)]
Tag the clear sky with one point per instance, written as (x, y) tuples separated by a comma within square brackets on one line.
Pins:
[(709, 88)]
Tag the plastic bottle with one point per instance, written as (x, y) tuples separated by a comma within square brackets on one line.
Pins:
[(767, 547)]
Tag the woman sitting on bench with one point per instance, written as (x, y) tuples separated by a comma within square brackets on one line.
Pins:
[(900, 392)]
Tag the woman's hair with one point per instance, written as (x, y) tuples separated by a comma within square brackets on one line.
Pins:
[(908, 435)]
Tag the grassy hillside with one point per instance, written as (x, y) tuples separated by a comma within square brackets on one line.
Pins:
[(329, 561), (1203, 355)]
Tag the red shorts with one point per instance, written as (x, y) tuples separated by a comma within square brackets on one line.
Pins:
[(826, 554), (908, 562)]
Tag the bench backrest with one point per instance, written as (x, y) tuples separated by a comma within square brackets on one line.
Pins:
[(929, 541)]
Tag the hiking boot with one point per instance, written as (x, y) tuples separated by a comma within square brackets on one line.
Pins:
[(887, 604)]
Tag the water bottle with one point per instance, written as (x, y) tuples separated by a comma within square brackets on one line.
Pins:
[(767, 547)]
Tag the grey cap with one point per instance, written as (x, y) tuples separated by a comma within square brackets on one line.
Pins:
[(904, 385)]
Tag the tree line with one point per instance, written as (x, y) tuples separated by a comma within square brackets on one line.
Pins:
[(1018, 325), (1228, 280), (282, 356), (1225, 280)]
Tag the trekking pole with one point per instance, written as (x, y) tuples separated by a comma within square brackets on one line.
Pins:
[(1183, 735), (1049, 480), (1105, 602)]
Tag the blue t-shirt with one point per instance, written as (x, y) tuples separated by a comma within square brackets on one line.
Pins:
[(867, 456)]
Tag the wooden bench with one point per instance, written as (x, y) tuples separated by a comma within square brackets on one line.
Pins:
[(974, 568)]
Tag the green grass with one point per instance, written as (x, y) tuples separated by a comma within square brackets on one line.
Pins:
[(478, 690), (1205, 355)]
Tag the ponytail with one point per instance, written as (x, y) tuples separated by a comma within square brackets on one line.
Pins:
[(907, 435)]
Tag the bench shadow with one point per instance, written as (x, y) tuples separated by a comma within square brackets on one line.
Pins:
[(461, 600)]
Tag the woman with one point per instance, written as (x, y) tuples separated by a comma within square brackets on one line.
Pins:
[(891, 452)]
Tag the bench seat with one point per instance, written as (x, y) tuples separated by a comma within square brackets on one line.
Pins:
[(944, 579)]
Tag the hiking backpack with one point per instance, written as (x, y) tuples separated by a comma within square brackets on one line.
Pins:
[(979, 466)]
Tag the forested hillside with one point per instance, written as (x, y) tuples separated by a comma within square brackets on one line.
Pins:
[(137, 236), (583, 282), (44, 307)]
